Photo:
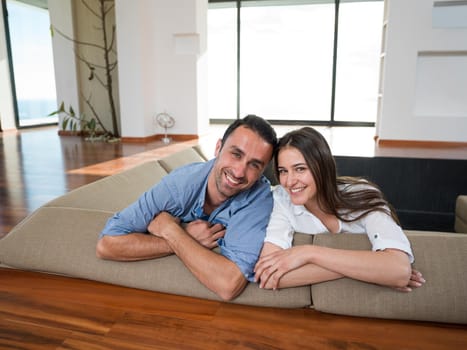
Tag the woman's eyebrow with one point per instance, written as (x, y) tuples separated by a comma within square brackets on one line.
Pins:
[(293, 165)]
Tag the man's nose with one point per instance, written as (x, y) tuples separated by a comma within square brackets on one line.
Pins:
[(240, 169)]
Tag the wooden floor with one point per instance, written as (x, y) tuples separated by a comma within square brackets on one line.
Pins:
[(39, 311), (37, 166)]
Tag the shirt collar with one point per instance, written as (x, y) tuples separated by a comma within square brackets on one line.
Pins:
[(201, 200), (299, 209)]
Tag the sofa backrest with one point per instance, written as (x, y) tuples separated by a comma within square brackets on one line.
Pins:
[(460, 224), (115, 192)]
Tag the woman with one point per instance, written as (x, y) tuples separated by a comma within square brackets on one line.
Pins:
[(312, 199)]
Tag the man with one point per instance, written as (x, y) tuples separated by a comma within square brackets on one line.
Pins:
[(226, 202)]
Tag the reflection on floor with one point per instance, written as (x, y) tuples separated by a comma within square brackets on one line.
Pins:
[(37, 165)]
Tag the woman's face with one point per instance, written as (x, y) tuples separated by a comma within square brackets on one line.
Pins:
[(295, 176)]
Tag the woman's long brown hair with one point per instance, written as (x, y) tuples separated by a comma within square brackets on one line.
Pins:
[(335, 195)]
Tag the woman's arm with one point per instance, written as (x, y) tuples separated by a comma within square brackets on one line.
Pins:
[(313, 264), (306, 274)]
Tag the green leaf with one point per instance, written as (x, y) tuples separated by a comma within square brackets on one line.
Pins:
[(65, 123), (62, 107), (72, 112), (92, 124)]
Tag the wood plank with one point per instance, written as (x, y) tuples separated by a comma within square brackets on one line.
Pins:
[(93, 315), (61, 289), (82, 341), (71, 315), (350, 332), (16, 334)]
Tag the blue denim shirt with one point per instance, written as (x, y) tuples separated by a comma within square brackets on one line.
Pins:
[(182, 193)]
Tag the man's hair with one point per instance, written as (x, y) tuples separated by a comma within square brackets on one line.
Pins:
[(258, 125)]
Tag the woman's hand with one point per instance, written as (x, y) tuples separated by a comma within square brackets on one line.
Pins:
[(271, 267), (416, 281)]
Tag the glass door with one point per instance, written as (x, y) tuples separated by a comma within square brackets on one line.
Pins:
[(295, 61), (286, 60), (30, 49)]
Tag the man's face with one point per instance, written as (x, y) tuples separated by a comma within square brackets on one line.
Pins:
[(239, 164)]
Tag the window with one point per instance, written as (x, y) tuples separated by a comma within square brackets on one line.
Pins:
[(284, 60), (222, 76), (32, 63), (358, 54)]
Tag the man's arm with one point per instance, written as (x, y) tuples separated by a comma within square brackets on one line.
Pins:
[(215, 271), (141, 246), (132, 247)]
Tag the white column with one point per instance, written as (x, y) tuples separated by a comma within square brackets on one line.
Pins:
[(65, 62), (162, 65), (7, 113)]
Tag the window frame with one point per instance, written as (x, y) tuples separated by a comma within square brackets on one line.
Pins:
[(329, 122)]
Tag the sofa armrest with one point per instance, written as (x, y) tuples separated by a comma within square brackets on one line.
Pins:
[(441, 257), (460, 224)]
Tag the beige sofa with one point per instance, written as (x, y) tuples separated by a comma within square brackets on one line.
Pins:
[(60, 238)]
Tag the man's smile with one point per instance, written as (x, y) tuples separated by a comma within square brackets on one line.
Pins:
[(232, 180)]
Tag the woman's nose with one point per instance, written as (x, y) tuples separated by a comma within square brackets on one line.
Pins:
[(289, 179)]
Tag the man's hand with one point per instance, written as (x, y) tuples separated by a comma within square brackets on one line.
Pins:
[(215, 271), (205, 233), (202, 231), (161, 224)]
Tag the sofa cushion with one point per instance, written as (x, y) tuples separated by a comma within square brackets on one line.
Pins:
[(115, 192), (176, 160), (441, 257), (54, 240), (63, 241)]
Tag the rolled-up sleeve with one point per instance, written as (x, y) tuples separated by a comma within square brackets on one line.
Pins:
[(137, 216), (245, 233), (384, 233)]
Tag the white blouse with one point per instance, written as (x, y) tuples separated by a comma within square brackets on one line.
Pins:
[(287, 218)]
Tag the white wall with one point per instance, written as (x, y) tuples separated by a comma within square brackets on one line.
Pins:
[(88, 29), (65, 63), (7, 114), (424, 80), (162, 68)]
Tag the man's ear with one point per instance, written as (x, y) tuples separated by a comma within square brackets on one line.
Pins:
[(218, 147)]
